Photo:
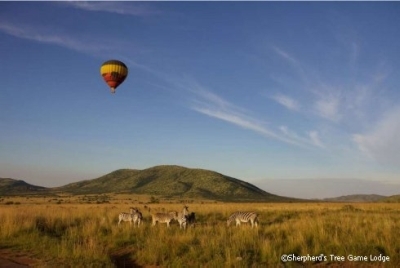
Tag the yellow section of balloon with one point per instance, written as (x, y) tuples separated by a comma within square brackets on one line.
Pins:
[(114, 73)]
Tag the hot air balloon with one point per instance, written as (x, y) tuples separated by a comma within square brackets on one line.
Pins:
[(114, 73)]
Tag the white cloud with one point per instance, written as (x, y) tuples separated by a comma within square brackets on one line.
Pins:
[(285, 55), (245, 122), (286, 101), (292, 135), (212, 98), (295, 64), (87, 44), (383, 142), (328, 107), (210, 104), (123, 8), (47, 36), (354, 54), (314, 136), (336, 100)]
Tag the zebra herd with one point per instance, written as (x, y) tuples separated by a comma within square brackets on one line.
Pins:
[(134, 216), (184, 218)]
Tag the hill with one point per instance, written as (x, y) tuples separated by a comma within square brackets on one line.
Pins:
[(10, 186), (357, 198), (173, 181), (391, 199)]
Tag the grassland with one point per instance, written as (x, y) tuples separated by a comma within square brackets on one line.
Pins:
[(82, 231)]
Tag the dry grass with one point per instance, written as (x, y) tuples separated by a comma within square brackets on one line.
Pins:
[(79, 234)]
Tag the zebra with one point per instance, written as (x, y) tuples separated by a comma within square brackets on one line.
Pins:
[(243, 216), (137, 215), (134, 216), (164, 217), (182, 217)]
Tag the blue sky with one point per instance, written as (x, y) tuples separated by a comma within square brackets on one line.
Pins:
[(257, 91)]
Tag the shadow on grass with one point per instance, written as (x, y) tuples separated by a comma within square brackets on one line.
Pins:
[(123, 260)]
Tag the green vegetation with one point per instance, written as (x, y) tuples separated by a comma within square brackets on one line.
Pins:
[(357, 198), (87, 235), (10, 186), (166, 182), (392, 199), (173, 181)]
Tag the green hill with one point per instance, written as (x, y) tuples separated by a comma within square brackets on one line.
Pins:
[(391, 199), (357, 198), (10, 186), (173, 181)]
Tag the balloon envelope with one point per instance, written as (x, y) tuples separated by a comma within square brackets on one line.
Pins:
[(114, 73)]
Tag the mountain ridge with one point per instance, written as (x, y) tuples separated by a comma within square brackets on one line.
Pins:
[(174, 181), (13, 186), (357, 198)]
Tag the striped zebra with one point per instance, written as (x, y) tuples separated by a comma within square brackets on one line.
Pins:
[(164, 217), (243, 216), (183, 217), (134, 216)]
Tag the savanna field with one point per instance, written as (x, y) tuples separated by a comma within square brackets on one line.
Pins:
[(82, 231)]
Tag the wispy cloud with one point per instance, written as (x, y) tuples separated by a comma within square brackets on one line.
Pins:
[(327, 97), (208, 103), (285, 55), (123, 8), (286, 101), (292, 135), (354, 54), (352, 104), (295, 63), (43, 35), (382, 143), (87, 44), (328, 107), (314, 136), (383, 70), (244, 121)]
